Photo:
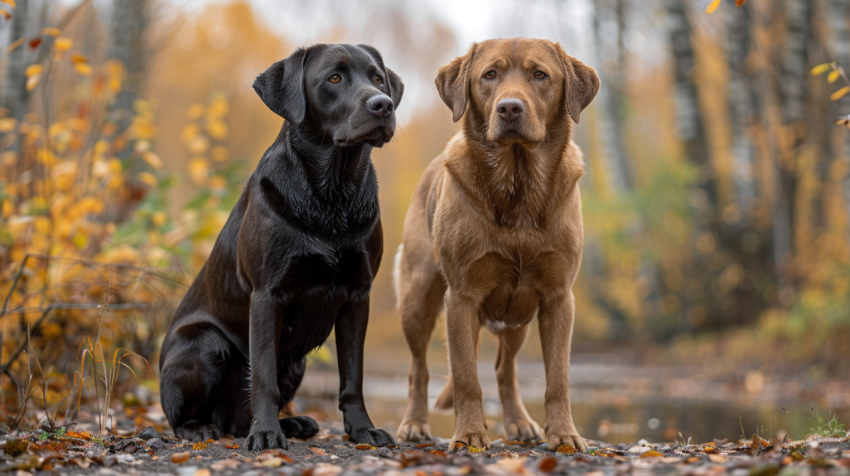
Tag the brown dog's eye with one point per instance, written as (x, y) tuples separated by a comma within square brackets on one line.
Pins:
[(490, 74), (335, 78), (379, 80), (539, 74)]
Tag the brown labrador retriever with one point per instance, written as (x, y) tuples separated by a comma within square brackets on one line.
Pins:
[(495, 231)]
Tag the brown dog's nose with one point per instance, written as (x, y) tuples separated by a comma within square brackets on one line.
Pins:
[(510, 109), (380, 105)]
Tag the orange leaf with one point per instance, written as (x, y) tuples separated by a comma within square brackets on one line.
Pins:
[(566, 449), (840, 93), (651, 454), (34, 42), (179, 458), (7, 14), (712, 6), (78, 58), (548, 464), (739, 3), (199, 446), (364, 446), (11, 3)]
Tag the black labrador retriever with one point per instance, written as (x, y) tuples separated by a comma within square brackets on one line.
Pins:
[(295, 260)]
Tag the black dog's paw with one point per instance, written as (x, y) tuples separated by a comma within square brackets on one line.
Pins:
[(372, 436), (300, 427), (199, 432), (266, 440)]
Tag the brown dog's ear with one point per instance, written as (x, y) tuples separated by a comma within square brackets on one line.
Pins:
[(580, 86), (453, 83), (281, 87)]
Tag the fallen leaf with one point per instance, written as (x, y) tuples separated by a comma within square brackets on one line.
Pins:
[(199, 446), (78, 435), (364, 446), (272, 462), (712, 6), (202, 472), (438, 453), (424, 445), (179, 458), (566, 449), (223, 464), (547, 464), (268, 454), (718, 458), (319, 451), (82, 462), (15, 446), (651, 454)]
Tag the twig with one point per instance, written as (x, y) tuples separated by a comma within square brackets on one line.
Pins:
[(14, 355)]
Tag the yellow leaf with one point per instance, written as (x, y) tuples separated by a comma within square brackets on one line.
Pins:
[(11, 3), (83, 69), (32, 81), (570, 449), (712, 6), (78, 58), (821, 68), (840, 93), (8, 208), (63, 44), (148, 179), (50, 31), (33, 69), (8, 124), (152, 159), (199, 170), (833, 76)]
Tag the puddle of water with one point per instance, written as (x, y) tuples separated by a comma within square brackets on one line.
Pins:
[(614, 404)]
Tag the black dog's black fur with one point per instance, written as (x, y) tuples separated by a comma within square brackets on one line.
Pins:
[(295, 259)]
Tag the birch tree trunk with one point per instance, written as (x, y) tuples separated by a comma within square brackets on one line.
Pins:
[(14, 92), (130, 20)]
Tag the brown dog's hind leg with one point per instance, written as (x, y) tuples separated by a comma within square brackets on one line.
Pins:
[(556, 334), (420, 298), (518, 424)]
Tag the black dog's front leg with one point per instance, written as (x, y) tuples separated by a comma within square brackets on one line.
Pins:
[(264, 336), (350, 337)]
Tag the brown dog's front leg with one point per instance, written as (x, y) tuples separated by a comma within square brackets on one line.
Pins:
[(264, 337), (556, 318), (350, 331), (462, 329)]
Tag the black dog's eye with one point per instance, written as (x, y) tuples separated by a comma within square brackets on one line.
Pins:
[(490, 74), (379, 80), (539, 74), (335, 78)]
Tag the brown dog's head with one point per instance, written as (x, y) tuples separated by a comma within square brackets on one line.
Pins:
[(517, 89)]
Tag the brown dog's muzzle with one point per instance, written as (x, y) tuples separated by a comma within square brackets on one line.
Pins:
[(512, 120)]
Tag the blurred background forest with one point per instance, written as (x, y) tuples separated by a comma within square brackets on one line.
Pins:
[(716, 200)]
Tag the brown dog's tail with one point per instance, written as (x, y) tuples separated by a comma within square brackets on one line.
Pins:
[(446, 399)]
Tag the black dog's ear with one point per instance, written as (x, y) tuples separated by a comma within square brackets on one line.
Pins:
[(395, 84), (281, 87), (453, 83), (396, 87), (580, 85)]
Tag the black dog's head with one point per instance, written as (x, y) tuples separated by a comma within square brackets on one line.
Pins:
[(340, 92)]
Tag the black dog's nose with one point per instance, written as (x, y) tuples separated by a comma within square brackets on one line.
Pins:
[(510, 109), (380, 105)]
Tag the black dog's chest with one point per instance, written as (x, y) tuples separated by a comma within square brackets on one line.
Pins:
[(317, 289)]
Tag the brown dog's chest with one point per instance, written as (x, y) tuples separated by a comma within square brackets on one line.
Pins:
[(510, 283)]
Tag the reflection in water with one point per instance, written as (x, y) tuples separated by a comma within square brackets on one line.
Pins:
[(614, 404)]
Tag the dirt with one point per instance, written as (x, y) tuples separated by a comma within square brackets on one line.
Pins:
[(148, 453)]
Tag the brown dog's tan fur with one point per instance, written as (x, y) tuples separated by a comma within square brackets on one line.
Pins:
[(494, 231)]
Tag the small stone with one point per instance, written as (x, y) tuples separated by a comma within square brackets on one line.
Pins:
[(154, 443), (149, 433)]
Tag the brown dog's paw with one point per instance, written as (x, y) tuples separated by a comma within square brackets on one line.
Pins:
[(414, 431), (266, 440), (470, 439), (558, 440), (524, 430)]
